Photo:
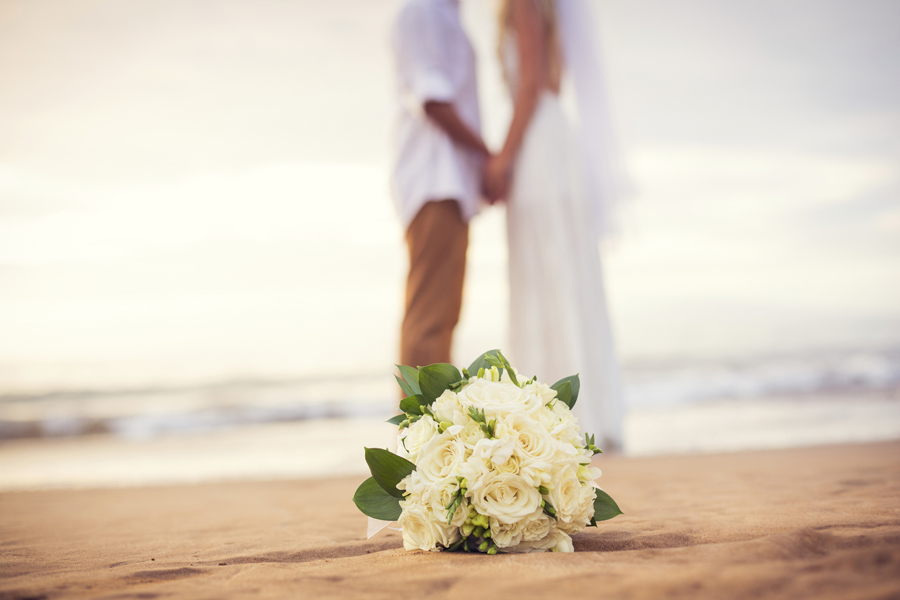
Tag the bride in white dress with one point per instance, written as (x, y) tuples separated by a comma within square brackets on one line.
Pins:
[(555, 190)]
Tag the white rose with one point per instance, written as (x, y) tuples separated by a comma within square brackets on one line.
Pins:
[(524, 548), (583, 514), (565, 460), (421, 531), (567, 431), (512, 465), (563, 427), (470, 434), (547, 418), (538, 527), (497, 450), (413, 484), (446, 406), (440, 494), (536, 396), (417, 435), (443, 455), (533, 444), (568, 499), (536, 473), (505, 497), (505, 535), (562, 410), (475, 470), (533, 527), (554, 540), (544, 391), (495, 398)]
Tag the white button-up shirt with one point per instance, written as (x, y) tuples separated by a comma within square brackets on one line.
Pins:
[(434, 61)]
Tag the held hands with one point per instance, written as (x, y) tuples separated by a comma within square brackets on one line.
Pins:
[(496, 177)]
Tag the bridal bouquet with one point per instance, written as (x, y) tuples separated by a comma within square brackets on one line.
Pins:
[(487, 462)]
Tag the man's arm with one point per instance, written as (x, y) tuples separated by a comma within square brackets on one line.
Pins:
[(444, 115)]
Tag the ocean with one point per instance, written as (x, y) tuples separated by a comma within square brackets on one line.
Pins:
[(147, 413)]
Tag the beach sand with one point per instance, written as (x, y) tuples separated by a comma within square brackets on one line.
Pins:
[(820, 522)]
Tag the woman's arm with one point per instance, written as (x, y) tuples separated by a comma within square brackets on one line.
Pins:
[(531, 46)]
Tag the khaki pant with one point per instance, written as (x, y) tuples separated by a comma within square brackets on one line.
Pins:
[(437, 240)]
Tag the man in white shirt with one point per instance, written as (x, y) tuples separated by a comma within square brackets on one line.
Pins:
[(436, 178)]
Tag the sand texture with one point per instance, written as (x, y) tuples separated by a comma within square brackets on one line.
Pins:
[(818, 522)]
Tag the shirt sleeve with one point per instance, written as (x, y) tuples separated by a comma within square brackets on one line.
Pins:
[(422, 57)]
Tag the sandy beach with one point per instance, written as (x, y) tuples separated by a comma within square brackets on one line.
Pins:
[(820, 522)]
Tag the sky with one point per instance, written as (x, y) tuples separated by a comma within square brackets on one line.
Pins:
[(197, 191)]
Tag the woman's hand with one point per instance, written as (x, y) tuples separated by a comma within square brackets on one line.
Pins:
[(497, 175)]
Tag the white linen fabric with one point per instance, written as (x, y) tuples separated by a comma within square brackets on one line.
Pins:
[(581, 57), (559, 323), (434, 60)]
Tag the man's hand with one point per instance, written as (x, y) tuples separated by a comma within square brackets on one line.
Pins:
[(496, 178)]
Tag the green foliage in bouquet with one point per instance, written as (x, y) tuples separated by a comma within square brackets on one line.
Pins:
[(567, 390), (605, 508), (378, 496), (374, 501)]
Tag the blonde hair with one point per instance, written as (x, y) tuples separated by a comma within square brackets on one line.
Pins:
[(551, 28)]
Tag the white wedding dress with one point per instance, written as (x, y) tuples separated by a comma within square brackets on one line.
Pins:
[(559, 323)]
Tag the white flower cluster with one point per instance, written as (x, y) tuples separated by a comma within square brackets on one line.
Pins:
[(498, 468)]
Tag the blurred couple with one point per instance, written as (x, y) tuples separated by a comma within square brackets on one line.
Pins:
[(554, 179)]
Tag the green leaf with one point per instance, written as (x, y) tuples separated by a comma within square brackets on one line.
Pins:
[(605, 507), (477, 415), (481, 363), (396, 419), (404, 386), (388, 469), (509, 369), (436, 378), (374, 502), (564, 393), (570, 396), (412, 404), (411, 375)]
